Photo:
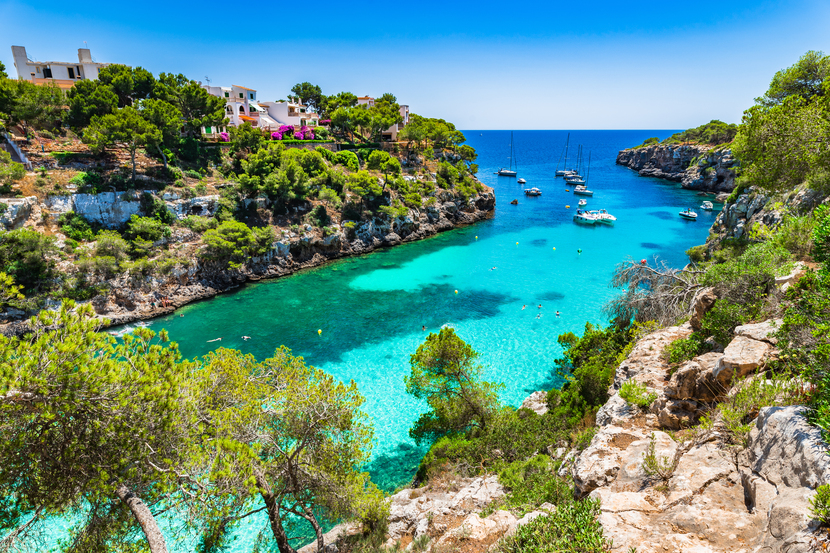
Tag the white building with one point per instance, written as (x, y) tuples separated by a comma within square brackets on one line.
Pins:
[(290, 113), (63, 73), (242, 106), (392, 132)]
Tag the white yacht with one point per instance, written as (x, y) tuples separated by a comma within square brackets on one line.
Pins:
[(584, 217), (603, 216), (583, 202), (707, 206)]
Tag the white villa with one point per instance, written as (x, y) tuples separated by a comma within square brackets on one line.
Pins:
[(63, 73), (392, 132), (242, 106)]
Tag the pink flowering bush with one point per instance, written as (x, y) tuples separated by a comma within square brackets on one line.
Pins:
[(306, 132), (224, 137), (276, 136), (285, 129), (298, 135)]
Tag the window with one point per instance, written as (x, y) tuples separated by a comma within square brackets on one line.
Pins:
[(251, 95), (227, 94), (230, 109), (241, 95), (242, 109), (71, 72), (47, 72)]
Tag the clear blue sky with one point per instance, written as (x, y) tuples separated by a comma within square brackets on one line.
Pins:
[(483, 65)]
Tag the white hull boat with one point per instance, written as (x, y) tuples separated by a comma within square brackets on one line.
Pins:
[(521, 181), (603, 216), (582, 191), (688, 214), (584, 218), (533, 192), (707, 206), (583, 202)]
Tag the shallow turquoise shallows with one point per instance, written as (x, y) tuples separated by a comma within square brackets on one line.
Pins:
[(371, 309)]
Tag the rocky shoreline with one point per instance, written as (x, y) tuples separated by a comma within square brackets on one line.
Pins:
[(132, 299), (696, 167)]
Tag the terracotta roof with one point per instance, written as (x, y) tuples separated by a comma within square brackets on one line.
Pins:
[(243, 88)]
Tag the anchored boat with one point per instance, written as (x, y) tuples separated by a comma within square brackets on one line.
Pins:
[(603, 216), (533, 192), (510, 171), (688, 214), (707, 206), (585, 218)]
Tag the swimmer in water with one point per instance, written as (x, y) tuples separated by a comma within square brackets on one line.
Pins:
[(557, 313), (493, 268), (540, 306), (424, 327), (246, 338), (215, 340), (523, 307)]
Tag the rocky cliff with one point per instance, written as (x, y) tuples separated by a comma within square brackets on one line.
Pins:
[(755, 206), (696, 167), (138, 297), (717, 496)]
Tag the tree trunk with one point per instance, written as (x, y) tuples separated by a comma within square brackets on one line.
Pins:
[(155, 539), (309, 516), (163, 156), (273, 510)]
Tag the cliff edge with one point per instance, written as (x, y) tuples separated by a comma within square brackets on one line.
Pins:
[(696, 167)]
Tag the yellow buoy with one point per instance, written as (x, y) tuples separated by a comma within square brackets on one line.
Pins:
[(554, 247), (517, 243), (567, 207), (476, 237), (456, 291), (319, 331)]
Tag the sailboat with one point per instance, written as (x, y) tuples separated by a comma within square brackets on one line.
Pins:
[(580, 188), (574, 177), (564, 171), (510, 171)]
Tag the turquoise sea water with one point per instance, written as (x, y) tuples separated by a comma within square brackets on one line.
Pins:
[(371, 309)]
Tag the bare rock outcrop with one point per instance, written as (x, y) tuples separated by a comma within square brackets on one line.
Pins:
[(715, 498), (696, 167)]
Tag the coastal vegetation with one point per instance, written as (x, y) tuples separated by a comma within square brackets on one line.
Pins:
[(713, 133), (139, 135)]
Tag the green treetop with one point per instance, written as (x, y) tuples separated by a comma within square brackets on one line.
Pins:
[(125, 128), (446, 375)]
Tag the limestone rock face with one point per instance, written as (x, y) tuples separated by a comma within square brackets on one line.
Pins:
[(741, 357), (761, 331), (17, 211), (704, 301), (718, 499), (108, 209), (536, 402)]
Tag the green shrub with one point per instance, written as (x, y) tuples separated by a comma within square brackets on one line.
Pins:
[(720, 322), (347, 158), (320, 217), (661, 467), (713, 132), (3, 208), (199, 224), (821, 237), (820, 504), (649, 142), (636, 394), (29, 258), (76, 227), (738, 410), (571, 528), (233, 242), (684, 349), (531, 482), (697, 254)]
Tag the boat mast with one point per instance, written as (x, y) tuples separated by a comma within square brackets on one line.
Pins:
[(568, 141), (588, 174)]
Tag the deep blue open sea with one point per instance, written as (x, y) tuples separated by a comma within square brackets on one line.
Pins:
[(371, 309)]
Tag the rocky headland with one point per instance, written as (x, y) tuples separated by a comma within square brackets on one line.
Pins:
[(132, 297), (695, 166)]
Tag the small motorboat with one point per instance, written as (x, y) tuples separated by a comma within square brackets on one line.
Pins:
[(688, 214), (521, 181), (707, 206), (582, 191), (603, 216), (582, 202), (584, 217), (533, 192)]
